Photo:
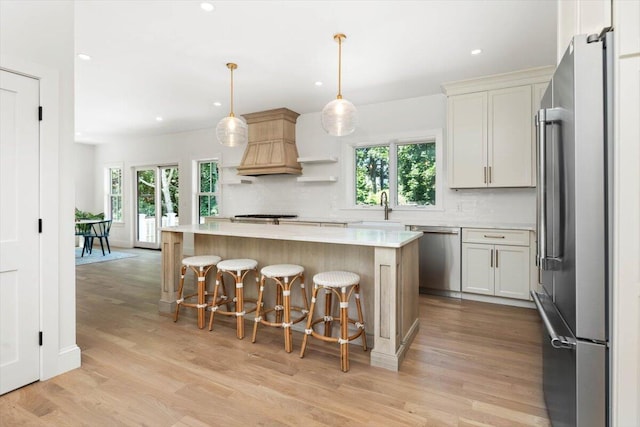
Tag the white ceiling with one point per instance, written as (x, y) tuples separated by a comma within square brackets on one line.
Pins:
[(167, 58)]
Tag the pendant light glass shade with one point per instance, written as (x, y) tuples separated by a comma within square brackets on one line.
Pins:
[(232, 131), (339, 117)]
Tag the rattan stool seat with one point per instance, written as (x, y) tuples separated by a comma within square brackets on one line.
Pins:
[(282, 270), (237, 264), (336, 279), (201, 260)]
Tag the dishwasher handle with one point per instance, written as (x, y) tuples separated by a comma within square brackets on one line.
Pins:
[(435, 230)]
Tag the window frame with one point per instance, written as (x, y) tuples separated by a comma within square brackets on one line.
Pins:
[(349, 154), (196, 186), (108, 208)]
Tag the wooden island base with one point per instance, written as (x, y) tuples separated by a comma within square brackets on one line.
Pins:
[(389, 277)]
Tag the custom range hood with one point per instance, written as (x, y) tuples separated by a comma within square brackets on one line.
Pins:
[(272, 144)]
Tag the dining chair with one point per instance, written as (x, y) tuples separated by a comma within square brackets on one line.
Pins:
[(84, 230), (100, 230)]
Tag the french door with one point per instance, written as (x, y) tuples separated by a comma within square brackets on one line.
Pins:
[(156, 189)]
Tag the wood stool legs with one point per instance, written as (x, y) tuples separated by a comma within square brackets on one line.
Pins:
[(238, 277), (180, 299), (201, 293), (344, 296), (282, 307)]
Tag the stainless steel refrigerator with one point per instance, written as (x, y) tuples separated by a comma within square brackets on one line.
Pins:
[(574, 232)]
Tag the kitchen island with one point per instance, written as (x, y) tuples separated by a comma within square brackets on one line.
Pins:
[(387, 262)]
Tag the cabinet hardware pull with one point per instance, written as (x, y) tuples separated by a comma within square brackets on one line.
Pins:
[(485, 174), (496, 258), (493, 236), (489, 174), (491, 259)]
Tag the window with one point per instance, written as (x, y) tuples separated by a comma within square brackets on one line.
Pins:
[(416, 172), (406, 170), (207, 195), (114, 195), (372, 174)]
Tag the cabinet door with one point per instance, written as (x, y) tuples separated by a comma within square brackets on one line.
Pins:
[(512, 276), (477, 268), (467, 140), (510, 139)]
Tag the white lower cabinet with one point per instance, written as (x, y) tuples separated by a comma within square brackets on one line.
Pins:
[(496, 262)]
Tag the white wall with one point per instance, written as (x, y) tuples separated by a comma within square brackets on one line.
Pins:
[(86, 198), (37, 38)]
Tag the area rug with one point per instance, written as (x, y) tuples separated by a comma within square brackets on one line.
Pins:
[(96, 256)]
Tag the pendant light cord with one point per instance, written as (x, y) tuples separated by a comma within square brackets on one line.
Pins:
[(339, 67), (231, 113)]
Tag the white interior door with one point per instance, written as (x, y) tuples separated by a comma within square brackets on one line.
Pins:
[(19, 239)]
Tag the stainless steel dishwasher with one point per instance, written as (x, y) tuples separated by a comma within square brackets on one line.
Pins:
[(439, 260)]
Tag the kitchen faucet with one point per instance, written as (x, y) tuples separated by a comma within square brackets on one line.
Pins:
[(384, 201)]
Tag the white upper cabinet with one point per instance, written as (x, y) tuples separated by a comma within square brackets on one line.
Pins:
[(509, 148), (467, 117), (491, 130)]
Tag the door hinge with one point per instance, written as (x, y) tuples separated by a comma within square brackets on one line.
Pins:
[(40, 113), (39, 225), (40, 338)]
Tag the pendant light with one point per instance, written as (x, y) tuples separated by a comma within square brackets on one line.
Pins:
[(232, 131), (339, 117)]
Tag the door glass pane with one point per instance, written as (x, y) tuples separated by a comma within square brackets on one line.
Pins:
[(169, 195), (372, 174), (146, 205), (417, 174)]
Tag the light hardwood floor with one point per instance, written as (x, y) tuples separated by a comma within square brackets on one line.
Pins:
[(472, 364)]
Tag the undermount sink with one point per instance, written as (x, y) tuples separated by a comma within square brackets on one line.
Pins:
[(377, 225)]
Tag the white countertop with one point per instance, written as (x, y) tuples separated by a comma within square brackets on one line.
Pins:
[(340, 236)]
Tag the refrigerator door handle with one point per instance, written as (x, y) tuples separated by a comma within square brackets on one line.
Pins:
[(544, 117), (557, 341)]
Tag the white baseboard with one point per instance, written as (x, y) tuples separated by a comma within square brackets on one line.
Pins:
[(68, 360)]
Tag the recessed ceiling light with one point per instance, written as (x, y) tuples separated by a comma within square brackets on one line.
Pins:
[(84, 57), (208, 7), (78, 133), (159, 119), (476, 51), (217, 104), (318, 83)]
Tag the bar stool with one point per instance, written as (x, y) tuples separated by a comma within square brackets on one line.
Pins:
[(200, 266), (238, 269), (349, 284), (283, 275)]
